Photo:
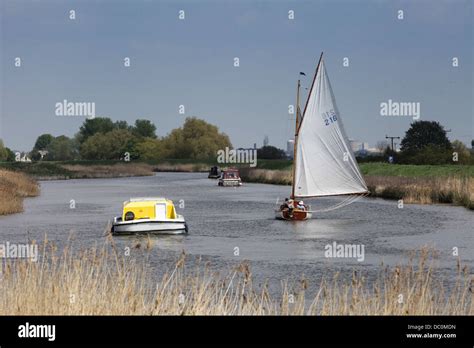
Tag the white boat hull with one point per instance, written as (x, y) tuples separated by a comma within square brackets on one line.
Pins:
[(230, 182), (142, 226)]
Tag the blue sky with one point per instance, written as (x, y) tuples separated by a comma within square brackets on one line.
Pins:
[(190, 62)]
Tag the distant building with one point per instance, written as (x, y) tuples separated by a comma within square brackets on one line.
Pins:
[(290, 148), (362, 149), (357, 145)]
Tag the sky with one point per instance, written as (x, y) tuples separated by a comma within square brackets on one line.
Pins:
[(190, 62)]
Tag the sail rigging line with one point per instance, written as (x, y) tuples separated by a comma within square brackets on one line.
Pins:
[(349, 200), (310, 90)]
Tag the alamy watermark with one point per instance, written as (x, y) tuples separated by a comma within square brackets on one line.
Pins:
[(393, 108), (335, 250), (19, 251), (67, 108), (237, 156)]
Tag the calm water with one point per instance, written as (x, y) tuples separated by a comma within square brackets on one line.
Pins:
[(221, 219)]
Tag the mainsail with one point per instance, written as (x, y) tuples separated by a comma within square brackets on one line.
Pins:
[(324, 163)]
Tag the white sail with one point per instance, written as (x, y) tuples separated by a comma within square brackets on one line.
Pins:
[(325, 164)]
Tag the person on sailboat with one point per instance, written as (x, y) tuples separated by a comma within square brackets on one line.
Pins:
[(301, 205), (291, 206)]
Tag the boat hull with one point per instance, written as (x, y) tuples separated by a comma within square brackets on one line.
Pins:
[(298, 215), (145, 226), (230, 182)]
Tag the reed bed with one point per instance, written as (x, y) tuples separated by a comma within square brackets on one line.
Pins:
[(424, 190), (458, 190), (101, 281), (15, 186), (181, 167), (109, 171), (266, 176)]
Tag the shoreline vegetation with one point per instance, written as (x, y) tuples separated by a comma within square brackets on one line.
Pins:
[(426, 184), (14, 187), (83, 282), (420, 184)]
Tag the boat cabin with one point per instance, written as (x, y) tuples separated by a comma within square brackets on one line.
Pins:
[(148, 208)]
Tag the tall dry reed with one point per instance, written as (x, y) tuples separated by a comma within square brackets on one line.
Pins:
[(109, 171), (266, 176), (424, 190), (181, 167), (14, 186), (102, 281), (457, 190)]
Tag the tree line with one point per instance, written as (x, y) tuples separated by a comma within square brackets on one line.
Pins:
[(102, 139), (426, 142)]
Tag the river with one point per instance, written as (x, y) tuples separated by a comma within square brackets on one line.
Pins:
[(223, 219)]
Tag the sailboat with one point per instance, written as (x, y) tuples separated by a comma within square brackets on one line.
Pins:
[(323, 162)]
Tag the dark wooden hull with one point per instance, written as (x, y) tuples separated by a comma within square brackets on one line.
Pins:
[(298, 215)]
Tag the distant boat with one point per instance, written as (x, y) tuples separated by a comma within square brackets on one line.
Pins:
[(214, 173), (149, 215), (324, 164), (230, 177)]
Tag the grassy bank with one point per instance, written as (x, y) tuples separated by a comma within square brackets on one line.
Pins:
[(49, 170), (410, 170), (424, 190), (103, 282), (414, 184), (14, 187), (423, 184)]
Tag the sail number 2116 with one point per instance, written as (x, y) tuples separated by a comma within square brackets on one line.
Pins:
[(329, 117)]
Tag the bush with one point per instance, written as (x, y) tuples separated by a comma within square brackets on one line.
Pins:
[(428, 155), (109, 146), (270, 152)]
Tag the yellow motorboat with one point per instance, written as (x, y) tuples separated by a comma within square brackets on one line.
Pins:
[(149, 215)]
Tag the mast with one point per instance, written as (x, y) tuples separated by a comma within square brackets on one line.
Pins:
[(296, 139)]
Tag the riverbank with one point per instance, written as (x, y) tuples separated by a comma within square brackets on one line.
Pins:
[(14, 187), (79, 169), (424, 184), (102, 281), (49, 170)]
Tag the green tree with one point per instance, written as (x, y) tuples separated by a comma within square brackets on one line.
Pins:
[(108, 146), (150, 149), (121, 125), (43, 141), (3, 151), (93, 126), (196, 139), (61, 148), (270, 152), (463, 153), (425, 142), (144, 128), (424, 133)]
